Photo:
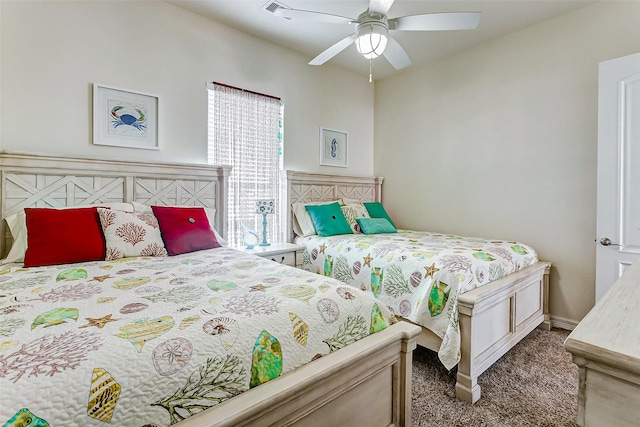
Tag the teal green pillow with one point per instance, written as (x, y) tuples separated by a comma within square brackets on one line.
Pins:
[(376, 210), (376, 225), (328, 220)]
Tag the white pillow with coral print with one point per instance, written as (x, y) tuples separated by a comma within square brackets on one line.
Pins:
[(353, 211), (129, 234)]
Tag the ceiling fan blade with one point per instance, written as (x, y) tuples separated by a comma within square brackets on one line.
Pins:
[(312, 16), (436, 21), (396, 55), (380, 6), (332, 51)]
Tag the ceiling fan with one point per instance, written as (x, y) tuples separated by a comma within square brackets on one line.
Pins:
[(371, 35)]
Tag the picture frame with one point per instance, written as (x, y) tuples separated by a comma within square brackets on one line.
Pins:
[(124, 118), (333, 148)]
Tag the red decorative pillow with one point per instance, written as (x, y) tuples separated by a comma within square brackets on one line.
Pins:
[(63, 236), (185, 229)]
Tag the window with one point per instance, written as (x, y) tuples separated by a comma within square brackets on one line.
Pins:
[(245, 131)]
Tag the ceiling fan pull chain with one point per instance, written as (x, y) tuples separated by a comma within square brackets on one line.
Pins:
[(370, 70)]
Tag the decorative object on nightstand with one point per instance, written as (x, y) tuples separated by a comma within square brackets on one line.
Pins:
[(248, 237), (264, 207)]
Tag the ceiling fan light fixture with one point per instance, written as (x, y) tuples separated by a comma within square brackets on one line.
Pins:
[(371, 39)]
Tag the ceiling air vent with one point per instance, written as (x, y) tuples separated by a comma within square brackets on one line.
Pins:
[(272, 6)]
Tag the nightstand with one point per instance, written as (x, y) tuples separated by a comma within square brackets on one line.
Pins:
[(284, 253)]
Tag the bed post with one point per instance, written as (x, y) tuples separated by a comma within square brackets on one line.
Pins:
[(546, 323), (378, 189), (221, 202), (286, 215), (406, 366), (467, 388)]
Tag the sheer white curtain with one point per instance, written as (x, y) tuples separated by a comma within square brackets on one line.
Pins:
[(245, 131)]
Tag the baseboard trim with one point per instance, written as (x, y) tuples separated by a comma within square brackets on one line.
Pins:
[(562, 323)]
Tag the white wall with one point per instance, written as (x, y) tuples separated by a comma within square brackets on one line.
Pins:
[(51, 52), (500, 141)]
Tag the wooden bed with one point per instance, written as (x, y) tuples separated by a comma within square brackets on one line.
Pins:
[(371, 377), (493, 318)]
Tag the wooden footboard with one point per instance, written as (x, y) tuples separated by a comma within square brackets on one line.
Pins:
[(494, 318), (367, 383)]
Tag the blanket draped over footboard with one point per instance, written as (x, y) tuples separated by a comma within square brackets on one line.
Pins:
[(418, 275)]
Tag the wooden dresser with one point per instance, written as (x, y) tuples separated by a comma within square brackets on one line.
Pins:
[(606, 347)]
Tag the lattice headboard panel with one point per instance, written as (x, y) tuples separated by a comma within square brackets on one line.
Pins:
[(152, 191), (301, 187), (32, 180)]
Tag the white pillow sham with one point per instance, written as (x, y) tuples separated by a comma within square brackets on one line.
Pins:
[(301, 220)]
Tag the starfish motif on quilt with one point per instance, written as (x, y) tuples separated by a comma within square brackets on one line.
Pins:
[(431, 270), (258, 288), (100, 278), (100, 322), (322, 248), (367, 260)]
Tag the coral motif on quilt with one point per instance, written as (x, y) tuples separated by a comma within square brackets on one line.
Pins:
[(219, 379), (154, 340), (49, 355), (351, 330), (70, 292)]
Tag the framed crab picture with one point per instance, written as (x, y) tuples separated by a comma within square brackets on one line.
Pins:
[(124, 118)]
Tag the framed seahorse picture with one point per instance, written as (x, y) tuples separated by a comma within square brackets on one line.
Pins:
[(333, 147), (124, 118)]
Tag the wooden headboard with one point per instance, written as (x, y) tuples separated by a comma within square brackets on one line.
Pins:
[(302, 187), (36, 180)]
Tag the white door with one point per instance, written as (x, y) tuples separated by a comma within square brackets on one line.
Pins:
[(618, 212)]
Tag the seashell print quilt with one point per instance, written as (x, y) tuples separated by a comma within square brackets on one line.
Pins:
[(152, 341), (417, 274)]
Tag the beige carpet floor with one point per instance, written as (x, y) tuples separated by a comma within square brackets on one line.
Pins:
[(534, 384)]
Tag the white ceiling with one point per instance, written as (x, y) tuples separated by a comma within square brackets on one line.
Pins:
[(310, 38)]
